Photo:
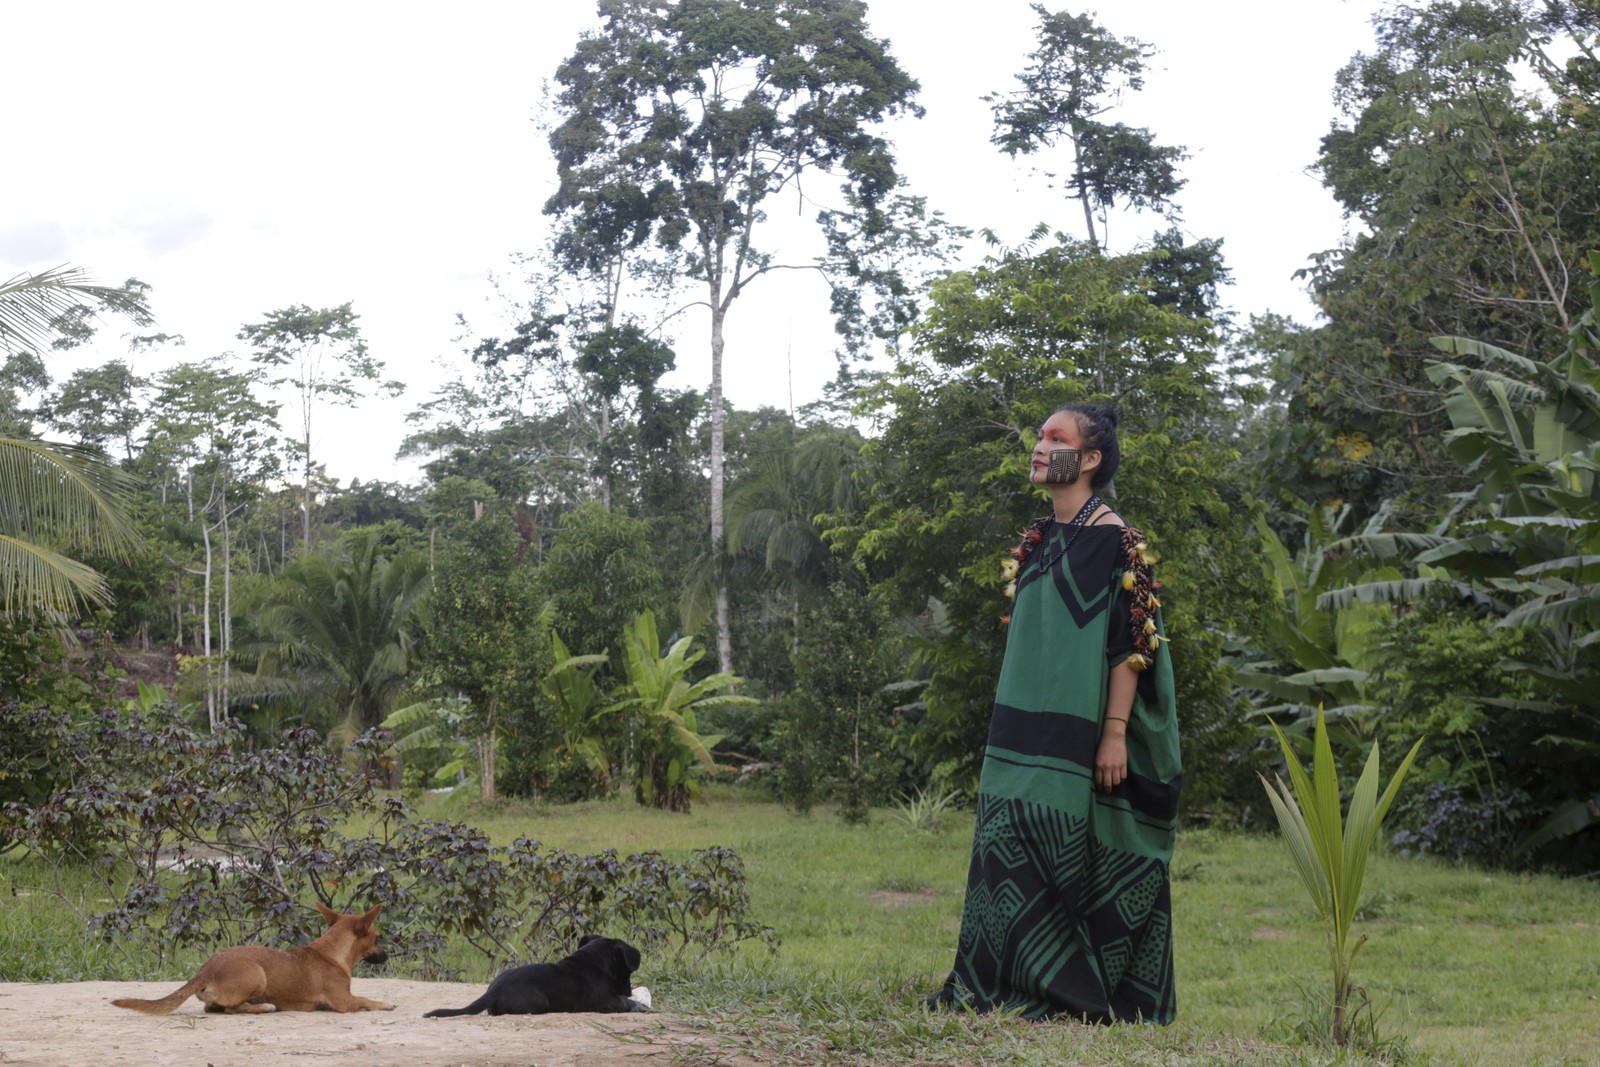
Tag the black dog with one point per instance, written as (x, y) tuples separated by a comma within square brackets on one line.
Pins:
[(594, 978)]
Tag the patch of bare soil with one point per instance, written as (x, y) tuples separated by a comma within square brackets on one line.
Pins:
[(894, 899), (74, 1025)]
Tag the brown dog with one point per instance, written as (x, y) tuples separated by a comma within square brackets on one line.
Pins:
[(313, 978)]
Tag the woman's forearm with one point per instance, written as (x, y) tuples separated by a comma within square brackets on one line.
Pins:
[(1119, 699)]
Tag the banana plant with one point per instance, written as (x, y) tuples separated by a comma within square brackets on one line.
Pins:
[(1311, 657), (438, 725), (1531, 431), (665, 705), (570, 685), (1332, 858)]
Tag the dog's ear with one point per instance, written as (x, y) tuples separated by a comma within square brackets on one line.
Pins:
[(326, 912), (586, 938), (628, 956), (371, 916)]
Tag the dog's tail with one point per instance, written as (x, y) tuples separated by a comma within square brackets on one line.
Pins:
[(471, 1009), (167, 1004)]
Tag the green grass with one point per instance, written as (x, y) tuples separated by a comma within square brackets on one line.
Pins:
[(1467, 966)]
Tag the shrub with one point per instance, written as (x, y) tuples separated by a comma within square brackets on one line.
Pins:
[(197, 840)]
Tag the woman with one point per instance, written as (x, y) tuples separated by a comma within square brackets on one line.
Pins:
[(1068, 905)]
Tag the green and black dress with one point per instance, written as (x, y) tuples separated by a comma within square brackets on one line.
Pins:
[(1068, 905)]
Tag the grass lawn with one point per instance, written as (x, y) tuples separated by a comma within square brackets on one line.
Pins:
[(1469, 966), (1466, 966)]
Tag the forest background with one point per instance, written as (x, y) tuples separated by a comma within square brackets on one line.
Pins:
[(1390, 514)]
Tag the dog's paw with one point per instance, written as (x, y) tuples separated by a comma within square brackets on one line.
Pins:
[(640, 996), (382, 1005)]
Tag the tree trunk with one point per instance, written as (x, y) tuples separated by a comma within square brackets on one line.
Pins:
[(226, 619), (1083, 198), (605, 453), (487, 743), (718, 427), (305, 516), (205, 629)]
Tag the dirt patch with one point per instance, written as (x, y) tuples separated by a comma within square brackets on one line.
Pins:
[(74, 1024), (892, 899)]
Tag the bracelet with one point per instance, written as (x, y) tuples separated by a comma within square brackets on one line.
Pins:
[(1115, 718)]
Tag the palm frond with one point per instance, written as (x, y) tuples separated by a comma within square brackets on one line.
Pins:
[(65, 492), (54, 494), (32, 304), (33, 578)]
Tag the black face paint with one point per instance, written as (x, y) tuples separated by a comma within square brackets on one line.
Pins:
[(1064, 466)]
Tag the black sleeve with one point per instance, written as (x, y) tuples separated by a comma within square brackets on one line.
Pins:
[(1119, 631)]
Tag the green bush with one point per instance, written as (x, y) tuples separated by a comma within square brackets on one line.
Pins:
[(199, 840), (1480, 780)]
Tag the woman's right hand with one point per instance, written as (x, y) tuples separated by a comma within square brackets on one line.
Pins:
[(1111, 759)]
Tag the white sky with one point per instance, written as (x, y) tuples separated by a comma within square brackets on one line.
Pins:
[(243, 158)]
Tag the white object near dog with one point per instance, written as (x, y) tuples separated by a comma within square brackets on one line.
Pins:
[(640, 995)]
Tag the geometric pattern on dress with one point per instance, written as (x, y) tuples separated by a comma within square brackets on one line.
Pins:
[(1082, 613), (990, 911), (1135, 902), (1056, 840), (1114, 957), (1039, 953), (996, 838), (1112, 872), (1043, 892), (1149, 965), (1089, 568)]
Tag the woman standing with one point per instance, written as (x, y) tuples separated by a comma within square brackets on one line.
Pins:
[(1068, 904)]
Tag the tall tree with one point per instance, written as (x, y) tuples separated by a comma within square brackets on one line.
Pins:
[(210, 432), (556, 405), (109, 404), (321, 355), (1464, 155), (23, 381), (1077, 73), (100, 406), (684, 118)]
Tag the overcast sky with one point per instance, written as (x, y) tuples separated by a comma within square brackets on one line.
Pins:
[(243, 158)]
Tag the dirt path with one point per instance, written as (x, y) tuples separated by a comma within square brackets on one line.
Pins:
[(74, 1025)]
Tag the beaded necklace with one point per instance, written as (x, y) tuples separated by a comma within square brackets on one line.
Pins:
[(1075, 526)]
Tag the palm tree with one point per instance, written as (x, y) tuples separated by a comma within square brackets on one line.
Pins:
[(775, 507), (337, 632), (52, 495)]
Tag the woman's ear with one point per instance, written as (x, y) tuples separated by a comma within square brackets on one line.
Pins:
[(1091, 460)]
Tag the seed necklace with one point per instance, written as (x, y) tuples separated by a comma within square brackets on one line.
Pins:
[(1075, 526)]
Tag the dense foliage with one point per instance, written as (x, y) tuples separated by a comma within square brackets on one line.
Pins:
[(1390, 514)]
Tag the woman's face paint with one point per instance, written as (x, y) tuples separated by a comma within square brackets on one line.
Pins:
[(1058, 458), (1063, 466)]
